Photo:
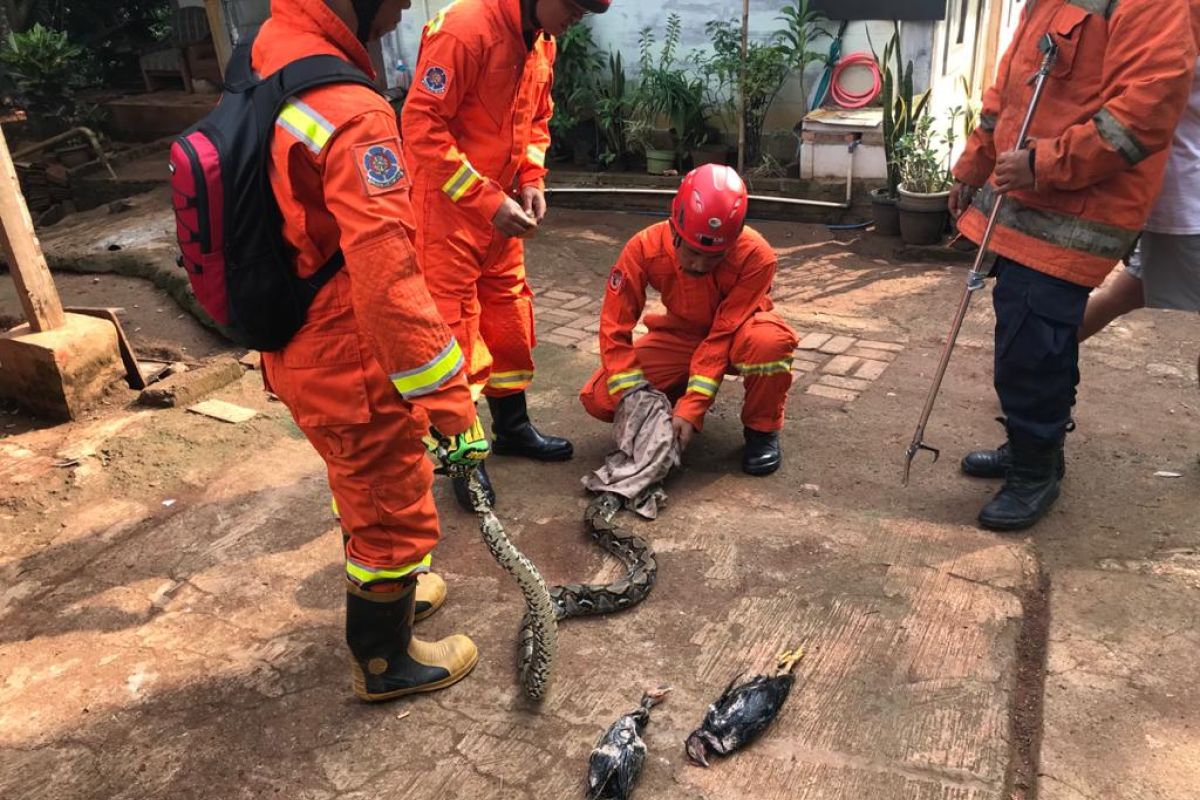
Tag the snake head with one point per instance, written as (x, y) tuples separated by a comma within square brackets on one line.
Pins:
[(696, 749)]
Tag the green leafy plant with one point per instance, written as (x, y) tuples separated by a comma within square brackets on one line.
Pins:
[(801, 28), (667, 94), (46, 69), (613, 111), (767, 67), (577, 61), (901, 110), (924, 157)]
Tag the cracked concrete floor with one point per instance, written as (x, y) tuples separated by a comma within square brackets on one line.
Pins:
[(170, 612)]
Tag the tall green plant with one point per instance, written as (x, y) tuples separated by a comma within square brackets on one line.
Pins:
[(766, 68), (901, 110), (801, 28), (613, 110), (666, 92)]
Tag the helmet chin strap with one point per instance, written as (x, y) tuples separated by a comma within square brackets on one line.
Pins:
[(365, 10)]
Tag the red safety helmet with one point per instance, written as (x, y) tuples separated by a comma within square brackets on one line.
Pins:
[(709, 211), (595, 6)]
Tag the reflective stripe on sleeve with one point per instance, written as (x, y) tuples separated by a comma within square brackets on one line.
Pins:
[(302, 121), (461, 181), (430, 377), (625, 380), (702, 384)]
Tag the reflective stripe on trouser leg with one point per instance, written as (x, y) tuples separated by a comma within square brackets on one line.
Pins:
[(1037, 348), (506, 321), (762, 354)]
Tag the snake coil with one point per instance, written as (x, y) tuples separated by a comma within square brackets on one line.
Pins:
[(545, 607)]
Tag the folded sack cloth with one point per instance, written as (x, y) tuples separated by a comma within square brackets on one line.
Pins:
[(646, 451)]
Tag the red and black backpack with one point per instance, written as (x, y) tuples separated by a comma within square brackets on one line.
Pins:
[(227, 219)]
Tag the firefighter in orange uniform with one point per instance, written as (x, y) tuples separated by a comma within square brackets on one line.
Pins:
[(1076, 199), (476, 129), (374, 365), (714, 276)]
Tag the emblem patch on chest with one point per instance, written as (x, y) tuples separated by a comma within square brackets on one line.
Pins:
[(436, 80)]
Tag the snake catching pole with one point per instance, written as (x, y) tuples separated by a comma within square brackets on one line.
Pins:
[(976, 277)]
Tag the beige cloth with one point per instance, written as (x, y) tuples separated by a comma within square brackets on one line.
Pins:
[(646, 451)]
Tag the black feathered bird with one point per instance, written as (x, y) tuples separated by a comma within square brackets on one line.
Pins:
[(616, 762), (742, 712)]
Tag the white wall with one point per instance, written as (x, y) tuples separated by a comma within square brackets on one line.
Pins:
[(620, 27)]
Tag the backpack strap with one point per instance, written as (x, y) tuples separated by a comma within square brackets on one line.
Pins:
[(239, 74)]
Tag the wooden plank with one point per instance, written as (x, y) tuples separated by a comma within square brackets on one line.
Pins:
[(220, 33), (35, 286)]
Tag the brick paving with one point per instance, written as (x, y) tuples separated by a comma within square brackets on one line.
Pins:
[(827, 365)]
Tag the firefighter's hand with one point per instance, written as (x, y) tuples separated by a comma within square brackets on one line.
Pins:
[(460, 453), (960, 198), (1014, 170), (512, 221), (683, 432), (534, 201)]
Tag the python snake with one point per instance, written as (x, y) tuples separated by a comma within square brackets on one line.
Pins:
[(546, 606)]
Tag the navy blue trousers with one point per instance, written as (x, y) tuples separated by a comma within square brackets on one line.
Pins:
[(1037, 348)]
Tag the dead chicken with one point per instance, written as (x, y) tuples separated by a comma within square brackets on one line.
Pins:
[(616, 762), (742, 712)]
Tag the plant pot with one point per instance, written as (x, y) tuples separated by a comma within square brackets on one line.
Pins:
[(659, 161), (884, 212), (709, 154), (923, 216)]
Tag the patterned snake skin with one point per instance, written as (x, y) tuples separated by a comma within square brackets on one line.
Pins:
[(545, 607)]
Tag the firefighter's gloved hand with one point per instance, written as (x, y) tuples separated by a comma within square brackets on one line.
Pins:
[(460, 453)]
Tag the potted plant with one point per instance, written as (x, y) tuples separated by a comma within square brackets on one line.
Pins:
[(668, 106), (900, 112), (573, 131), (613, 110), (924, 162)]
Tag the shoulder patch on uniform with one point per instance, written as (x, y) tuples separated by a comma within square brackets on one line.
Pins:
[(616, 279), (381, 166), (436, 80)]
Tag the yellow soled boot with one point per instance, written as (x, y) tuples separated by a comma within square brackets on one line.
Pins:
[(431, 593), (386, 661)]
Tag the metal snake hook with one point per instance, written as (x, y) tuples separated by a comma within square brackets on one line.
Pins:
[(976, 277)]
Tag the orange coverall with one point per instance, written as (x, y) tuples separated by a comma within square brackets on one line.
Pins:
[(476, 129), (373, 364), (715, 324), (1100, 136)]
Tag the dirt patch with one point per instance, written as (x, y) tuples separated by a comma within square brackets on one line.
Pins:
[(1028, 697)]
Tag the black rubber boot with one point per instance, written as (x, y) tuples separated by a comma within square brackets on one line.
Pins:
[(386, 661), (1030, 487), (516, 436), (762, 454), (463, 495)]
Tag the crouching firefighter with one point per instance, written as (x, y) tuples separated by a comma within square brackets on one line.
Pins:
[(714, 276), (476, 129), (1076, 194), (373, 365)]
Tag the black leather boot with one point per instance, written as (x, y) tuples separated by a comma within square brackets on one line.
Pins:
[(463, 495), (386, 661), (762, 454), (994, 463), (515, 435), (1030, 487)]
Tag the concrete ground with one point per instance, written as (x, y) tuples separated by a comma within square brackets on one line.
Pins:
[(170, 605)]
